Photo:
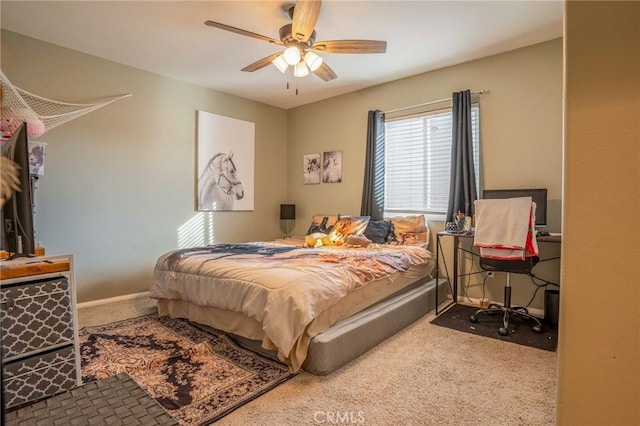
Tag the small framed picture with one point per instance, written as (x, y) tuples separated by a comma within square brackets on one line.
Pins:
[(332, 167), (37, 151), (311, 169)]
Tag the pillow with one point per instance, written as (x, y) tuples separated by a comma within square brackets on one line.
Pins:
[(356, 224), (334, 229), (322, 223), (391, 236), (378, 231), (348, 225), (410, 230), (357, 240)]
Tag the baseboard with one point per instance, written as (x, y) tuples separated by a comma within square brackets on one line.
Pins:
[(536, 312), (113, 299)]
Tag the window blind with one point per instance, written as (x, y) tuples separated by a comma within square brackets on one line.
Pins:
[(418, 161)]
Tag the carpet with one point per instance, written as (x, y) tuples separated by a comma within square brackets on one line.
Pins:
[(457, 318), (196, 375)]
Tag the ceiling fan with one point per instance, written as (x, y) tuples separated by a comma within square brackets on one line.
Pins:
[(299, 40)]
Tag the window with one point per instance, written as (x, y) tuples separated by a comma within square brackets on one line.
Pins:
[(418, 161)]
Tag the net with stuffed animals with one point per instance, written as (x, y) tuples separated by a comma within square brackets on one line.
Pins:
[(41, 114)]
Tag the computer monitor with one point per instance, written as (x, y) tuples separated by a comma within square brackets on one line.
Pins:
[(17, 230), (539, 196)]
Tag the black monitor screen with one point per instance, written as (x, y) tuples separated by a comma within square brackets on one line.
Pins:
[(539, 196), (16, 232)]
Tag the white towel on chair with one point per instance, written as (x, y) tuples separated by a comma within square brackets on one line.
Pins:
[(503, 227)]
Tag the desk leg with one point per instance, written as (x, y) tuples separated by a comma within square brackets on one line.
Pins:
[(437, 269), (456, 243)]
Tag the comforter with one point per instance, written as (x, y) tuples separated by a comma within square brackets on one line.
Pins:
[(282, 287)]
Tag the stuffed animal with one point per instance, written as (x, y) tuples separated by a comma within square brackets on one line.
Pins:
[(335, 235), (12, 118), (317, 239)]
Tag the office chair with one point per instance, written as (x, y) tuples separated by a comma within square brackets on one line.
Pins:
[(504, 234), (510, 267)]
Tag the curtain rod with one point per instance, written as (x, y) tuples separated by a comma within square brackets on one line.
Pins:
[(479, 92)]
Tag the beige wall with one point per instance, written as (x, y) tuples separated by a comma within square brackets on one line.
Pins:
[(599, 359), (521, 137), (118, 188)]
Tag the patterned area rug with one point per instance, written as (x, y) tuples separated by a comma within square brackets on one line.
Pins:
[(197, 376)]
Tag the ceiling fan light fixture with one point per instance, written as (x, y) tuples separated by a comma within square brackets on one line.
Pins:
[(292, 55), (280, 63), (300, 69), (312, 60), (297, 38)]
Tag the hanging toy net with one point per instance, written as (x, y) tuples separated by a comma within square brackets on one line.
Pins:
[(41, 114)]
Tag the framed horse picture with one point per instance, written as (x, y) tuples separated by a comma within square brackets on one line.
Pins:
[(332, 167), (225, 159)]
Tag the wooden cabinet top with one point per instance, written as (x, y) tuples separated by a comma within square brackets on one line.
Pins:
[(26, 268)]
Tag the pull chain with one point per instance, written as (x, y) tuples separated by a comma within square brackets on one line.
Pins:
[(288, 88)]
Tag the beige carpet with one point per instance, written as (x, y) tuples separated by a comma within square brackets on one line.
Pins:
[(424, 375)]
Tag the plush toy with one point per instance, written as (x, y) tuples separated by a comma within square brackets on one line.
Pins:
[(12, 118), (317, 239), (336, 235)]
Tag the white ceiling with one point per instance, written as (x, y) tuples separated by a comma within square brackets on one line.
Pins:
[(170, 38)]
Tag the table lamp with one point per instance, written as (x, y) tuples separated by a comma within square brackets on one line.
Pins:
[(287, 213)]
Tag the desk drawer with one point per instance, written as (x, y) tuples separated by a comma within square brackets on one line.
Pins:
[(39, 376), (35, 315)]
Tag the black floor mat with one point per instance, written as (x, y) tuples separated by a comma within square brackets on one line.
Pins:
[(520, 332)]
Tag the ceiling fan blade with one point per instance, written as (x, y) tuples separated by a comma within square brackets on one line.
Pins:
[(261, 63), (242, 32), (325, 72), (305, 16), (350, 46)]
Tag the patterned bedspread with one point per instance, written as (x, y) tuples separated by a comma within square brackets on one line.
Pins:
[(282, 287)]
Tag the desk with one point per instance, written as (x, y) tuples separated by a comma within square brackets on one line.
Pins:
[(456, 248)]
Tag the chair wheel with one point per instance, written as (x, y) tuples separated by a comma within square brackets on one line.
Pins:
[(537, 328), (473, 318), (503, 331)]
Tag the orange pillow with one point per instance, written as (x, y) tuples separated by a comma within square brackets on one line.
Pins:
[(346, 226)]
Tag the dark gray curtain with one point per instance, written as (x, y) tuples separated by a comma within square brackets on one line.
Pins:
[(462, 189), (373, 188)]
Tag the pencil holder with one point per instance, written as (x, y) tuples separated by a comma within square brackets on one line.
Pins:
[(451, 227)]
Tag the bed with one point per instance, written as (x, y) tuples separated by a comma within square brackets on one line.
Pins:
[(298, 303)]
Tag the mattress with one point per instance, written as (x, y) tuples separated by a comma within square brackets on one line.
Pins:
[(192, 292), (355, 335)]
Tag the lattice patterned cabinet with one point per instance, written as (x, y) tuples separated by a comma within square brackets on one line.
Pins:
[(39, 334)]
